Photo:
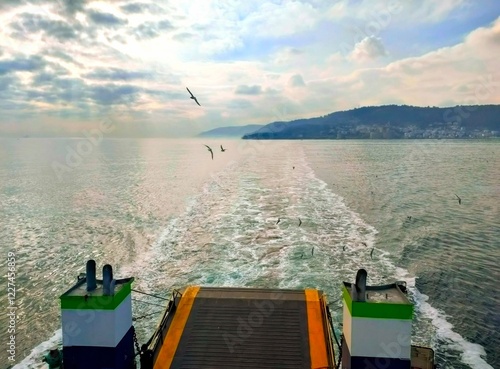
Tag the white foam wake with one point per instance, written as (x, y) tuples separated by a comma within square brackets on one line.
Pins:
[(471, 353), (34, 359)]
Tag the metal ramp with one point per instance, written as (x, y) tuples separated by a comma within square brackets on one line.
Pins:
[(244, 328)]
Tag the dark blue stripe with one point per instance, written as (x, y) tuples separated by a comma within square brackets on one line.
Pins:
[(364, 362), (85, 357)]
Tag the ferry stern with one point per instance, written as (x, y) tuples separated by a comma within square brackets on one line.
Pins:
[(247, 328)]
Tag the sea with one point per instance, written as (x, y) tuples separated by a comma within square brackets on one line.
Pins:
[(166, 213)]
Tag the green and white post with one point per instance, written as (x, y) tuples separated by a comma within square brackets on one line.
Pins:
[(97, 322), (377, 323)]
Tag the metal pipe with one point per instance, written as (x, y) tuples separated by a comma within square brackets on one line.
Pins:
[(90, 275), (361, 285), (358, 289), (107, 277)]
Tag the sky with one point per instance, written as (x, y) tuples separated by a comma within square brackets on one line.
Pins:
[(73, 66)]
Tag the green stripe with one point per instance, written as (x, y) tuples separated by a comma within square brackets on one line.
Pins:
[(381, 310), (347, 298), (96, 302)]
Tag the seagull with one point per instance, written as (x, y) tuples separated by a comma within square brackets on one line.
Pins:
[(211, 152), (222, 149), (312, 251), (192, 96), (343, 248), (300, 222), (371, 253), (278, 220), (459, 200), (364, 244)]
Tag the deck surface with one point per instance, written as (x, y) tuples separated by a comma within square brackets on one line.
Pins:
[(244, 328)]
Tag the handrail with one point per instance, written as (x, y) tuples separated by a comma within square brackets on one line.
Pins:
[(326, 327)]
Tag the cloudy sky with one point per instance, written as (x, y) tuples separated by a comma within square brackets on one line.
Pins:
[(66, 66)]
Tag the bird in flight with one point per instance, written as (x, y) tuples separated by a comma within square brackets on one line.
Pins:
[(192, 96), (459, 200), (222, 149), (300, 222), (211, 152), (278, 220), (371, 253)]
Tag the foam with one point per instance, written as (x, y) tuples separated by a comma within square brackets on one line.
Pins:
[(471, 353), (34, 359)]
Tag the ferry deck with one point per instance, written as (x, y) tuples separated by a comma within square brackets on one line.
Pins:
[(246, 328)]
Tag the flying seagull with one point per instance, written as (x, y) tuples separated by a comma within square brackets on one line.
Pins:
[(300, 222), (312, 251), (371, 253), (192, 96), (278, 220), (211, 152), (222, 149), (459, 200), (364, 244)]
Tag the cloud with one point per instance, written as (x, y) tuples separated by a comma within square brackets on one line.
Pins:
[(73, 6), (105, 19), (113, 94), (138, 8), (239, 104), (29, 24), (7, 4), (69, 90), (465, 73), (151, 30), (288, 55), (434, 11), (43, 79), (383, 13), (241, 58), (367, 49), (116, 74), (21, 65), (248, 90), (274, 19), (5, 82), (296, 81), (183, 36)]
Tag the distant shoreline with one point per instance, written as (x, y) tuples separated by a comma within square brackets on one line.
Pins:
[(378, 139), (391, 122), (259, 139)]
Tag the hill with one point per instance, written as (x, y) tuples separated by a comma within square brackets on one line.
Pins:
[(236, 131), (390, 121)]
